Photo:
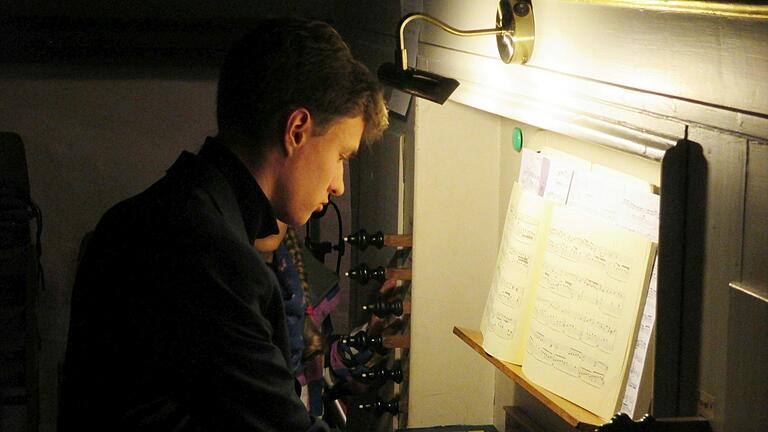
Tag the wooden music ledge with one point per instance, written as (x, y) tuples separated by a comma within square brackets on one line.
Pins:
[(574, 415)]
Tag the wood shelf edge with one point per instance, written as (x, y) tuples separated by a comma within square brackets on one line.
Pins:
[(572, 414)]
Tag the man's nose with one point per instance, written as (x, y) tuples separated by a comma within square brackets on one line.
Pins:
[(336, 187)]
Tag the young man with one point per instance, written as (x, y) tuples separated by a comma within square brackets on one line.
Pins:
[(176, 324)]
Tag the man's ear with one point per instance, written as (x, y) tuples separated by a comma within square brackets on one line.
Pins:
[(298, 128)]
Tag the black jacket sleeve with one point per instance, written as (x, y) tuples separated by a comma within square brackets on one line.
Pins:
[(224, 335), (181, 329)]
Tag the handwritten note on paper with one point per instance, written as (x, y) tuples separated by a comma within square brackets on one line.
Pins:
[(585, 310), (597, 195), (629, 182), (507, 311), (558, 172), (558, 175), (575, 162), (530, 178), (639, 212)]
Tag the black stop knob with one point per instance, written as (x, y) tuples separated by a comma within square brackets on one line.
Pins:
[(382, 309)]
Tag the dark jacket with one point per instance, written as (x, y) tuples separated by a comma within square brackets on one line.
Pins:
[(177, 324)]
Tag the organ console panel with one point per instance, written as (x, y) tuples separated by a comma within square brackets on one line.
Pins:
[(382, 308), (361, 239), (362, 273), (381, 375), (381, 406), (385, 329)]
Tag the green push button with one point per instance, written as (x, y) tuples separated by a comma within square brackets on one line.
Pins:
[(517, 139)]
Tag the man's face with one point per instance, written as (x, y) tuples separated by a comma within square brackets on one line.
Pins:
[(315, 169)]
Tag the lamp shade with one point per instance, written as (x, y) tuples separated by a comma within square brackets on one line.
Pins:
[(425, 85)]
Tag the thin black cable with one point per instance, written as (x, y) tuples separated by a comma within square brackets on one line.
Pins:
[(340, 245)]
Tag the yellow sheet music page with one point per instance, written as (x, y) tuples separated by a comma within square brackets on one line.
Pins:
[(591, 286), (507, 312)]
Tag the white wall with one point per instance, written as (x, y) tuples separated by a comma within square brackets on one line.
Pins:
[(456, 234)]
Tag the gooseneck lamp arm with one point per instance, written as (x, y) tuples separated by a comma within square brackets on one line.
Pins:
[(514, 38), (403, 56)]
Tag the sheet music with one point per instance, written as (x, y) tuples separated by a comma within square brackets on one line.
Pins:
[(626, 202), (633, 403), (506, 316), (586, 308), (640, 213)]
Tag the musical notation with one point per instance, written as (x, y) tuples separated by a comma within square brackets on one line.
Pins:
[(524, 228), (502, 324), (577, 325), (567, 359), (581, 250), (570, 286), (509, 293)]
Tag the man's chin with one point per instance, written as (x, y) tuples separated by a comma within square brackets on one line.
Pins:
[(309, 216), (319, 212), (293, 219)]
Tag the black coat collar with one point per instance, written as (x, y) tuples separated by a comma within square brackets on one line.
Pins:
[(234, 190)]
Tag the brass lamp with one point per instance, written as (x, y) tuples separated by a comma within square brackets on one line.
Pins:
[(514, 38)]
